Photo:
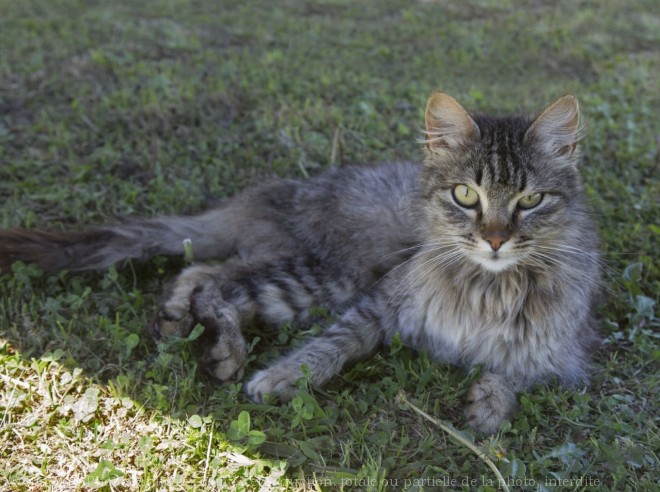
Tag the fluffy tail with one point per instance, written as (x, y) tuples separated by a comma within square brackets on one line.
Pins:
[(101, 247)]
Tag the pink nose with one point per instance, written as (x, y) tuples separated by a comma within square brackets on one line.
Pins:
[(496, 238)]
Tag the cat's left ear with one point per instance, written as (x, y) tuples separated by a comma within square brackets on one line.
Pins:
[(448, 125), (557, 129)]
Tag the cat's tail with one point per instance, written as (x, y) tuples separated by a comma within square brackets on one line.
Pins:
[(100, 247)]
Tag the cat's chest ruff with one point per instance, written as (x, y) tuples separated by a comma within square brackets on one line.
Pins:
[(469, 320)]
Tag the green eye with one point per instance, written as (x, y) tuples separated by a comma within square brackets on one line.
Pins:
[(530, 201), (465, 196)]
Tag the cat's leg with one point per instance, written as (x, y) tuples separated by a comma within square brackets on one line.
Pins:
[(225, 297), (491, 400), (356, 335), (205, 294)]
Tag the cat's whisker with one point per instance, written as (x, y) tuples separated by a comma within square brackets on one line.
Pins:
[(570, 252), (403, 250), (573, 250), (439, 259), (436, 263), (437, 246), (445, 254), (421, 245), (558, 269), (565, 248)]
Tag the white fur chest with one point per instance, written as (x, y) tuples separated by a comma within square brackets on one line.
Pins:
[(489, 320)]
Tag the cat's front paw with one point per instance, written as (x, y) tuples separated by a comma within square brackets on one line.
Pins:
[(490, 401), (278, 381)]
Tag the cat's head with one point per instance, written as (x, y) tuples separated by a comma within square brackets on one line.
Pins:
[(500, 191)]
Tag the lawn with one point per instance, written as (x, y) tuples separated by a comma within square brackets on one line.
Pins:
[(119, 108)]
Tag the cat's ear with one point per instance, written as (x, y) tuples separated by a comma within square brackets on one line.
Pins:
[(557, 129), (448, 125)]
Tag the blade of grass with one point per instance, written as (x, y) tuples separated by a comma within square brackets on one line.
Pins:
[(457, 436), (208, 454)]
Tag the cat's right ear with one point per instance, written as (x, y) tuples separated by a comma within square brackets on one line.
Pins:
[(558, 128), (448, 125)]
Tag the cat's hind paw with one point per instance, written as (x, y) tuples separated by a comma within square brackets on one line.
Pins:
[(490, 401), (176, 317), (172, 323), (224, 348), (278, 381)]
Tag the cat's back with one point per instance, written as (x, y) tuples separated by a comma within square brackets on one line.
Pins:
[(358, 215), (368, 191)]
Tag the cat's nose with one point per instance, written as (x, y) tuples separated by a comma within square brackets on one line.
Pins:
[(496, 238)]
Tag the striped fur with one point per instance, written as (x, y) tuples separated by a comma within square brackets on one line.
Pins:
[(388, 249)]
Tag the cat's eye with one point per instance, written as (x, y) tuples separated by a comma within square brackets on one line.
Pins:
[(530, 201), (465, 196)]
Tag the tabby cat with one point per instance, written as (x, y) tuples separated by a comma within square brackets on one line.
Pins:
[(484, 255)]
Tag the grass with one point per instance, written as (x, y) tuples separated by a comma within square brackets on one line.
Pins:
[(117, 108)]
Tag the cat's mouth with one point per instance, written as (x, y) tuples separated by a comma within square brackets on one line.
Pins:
[(481, 252), (494, 261)]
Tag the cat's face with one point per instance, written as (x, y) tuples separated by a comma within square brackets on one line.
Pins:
[(501, 193)]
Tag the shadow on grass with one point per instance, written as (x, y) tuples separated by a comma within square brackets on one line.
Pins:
[(94, 326)]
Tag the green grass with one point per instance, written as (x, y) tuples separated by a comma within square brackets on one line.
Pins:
[(153, 107)]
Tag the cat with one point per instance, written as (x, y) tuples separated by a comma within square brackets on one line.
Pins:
[(485, 254)]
